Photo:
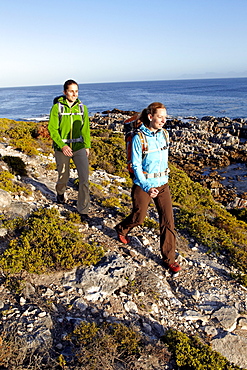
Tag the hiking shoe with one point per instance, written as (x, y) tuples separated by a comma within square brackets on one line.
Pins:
[(60, 199), (174, 267), (123, 239)]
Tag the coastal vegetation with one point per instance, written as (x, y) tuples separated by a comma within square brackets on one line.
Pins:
[(199, 215), (110, 345), (207, 221), (191, 354), (47, 241), (27, 137), (103, 346), (7, 183)]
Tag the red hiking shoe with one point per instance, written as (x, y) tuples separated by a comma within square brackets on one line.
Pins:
[(174, 267), (123, 239)]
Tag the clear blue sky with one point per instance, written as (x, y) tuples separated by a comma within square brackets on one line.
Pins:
[(46, 42)]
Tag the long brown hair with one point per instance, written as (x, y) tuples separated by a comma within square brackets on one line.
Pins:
[(151, 109)]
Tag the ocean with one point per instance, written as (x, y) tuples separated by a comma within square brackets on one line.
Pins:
[(224, 97)]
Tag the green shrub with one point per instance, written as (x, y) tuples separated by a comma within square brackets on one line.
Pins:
[(27, 146), (105, 183), (150, 223), (192, 354), (15, 283), (46, 242), (51, 166), (207, 220), (7, 184), (101, 133), (20, 134), (125, 197), (73, 217), (124, 174), (97, 191), (108, 154), (24, 136), (21, 129), (4, 125), (100, 347), (113, 189), (111, 202)]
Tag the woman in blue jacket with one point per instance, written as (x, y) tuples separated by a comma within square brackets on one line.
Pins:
[(151, 182)]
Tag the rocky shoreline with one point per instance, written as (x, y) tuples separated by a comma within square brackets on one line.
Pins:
[(203, 299), (201, 147)]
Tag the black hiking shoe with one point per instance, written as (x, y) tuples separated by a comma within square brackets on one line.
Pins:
[(60, 199)]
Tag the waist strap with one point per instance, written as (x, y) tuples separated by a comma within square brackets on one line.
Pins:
[(78, 140), (72, 114), (157, 174)]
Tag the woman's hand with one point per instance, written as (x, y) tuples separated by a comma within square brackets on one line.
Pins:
[(67, 151), (153, 192)]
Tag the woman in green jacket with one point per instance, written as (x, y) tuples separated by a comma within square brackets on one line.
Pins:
[(70, 131)]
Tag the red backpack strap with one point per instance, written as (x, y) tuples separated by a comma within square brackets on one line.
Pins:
[(144, 143)]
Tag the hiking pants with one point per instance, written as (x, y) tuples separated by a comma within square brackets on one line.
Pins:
[(63, 166), (163, 203)]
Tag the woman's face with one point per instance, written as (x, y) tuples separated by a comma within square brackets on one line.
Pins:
[(71, 93), (158, 120)]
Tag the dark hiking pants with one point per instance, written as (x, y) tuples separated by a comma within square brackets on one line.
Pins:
[(163, 203)]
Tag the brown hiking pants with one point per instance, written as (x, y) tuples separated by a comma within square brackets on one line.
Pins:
[(163, 203)]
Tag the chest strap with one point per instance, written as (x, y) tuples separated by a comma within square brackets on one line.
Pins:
[(62, 113)]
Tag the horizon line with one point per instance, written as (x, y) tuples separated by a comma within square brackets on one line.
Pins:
[(129, 81)]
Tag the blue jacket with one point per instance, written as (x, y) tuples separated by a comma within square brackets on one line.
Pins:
[(155, 163)]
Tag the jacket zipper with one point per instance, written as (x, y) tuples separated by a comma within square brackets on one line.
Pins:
[(71, 127)]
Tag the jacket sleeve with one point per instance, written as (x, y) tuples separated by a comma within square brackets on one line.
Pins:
[(53, 126), (137, 164), (86, 129)]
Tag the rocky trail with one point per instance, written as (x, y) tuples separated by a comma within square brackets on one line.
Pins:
[(202, 299)]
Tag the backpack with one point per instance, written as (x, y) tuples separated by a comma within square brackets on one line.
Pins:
[(61, 108), (131, 128)]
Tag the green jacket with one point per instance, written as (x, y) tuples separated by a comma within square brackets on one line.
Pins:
[(69, 128)]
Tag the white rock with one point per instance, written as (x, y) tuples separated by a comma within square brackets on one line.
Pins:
[(3, 232), (130, 307), (42, 314), (22, 301), (155, 308)]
